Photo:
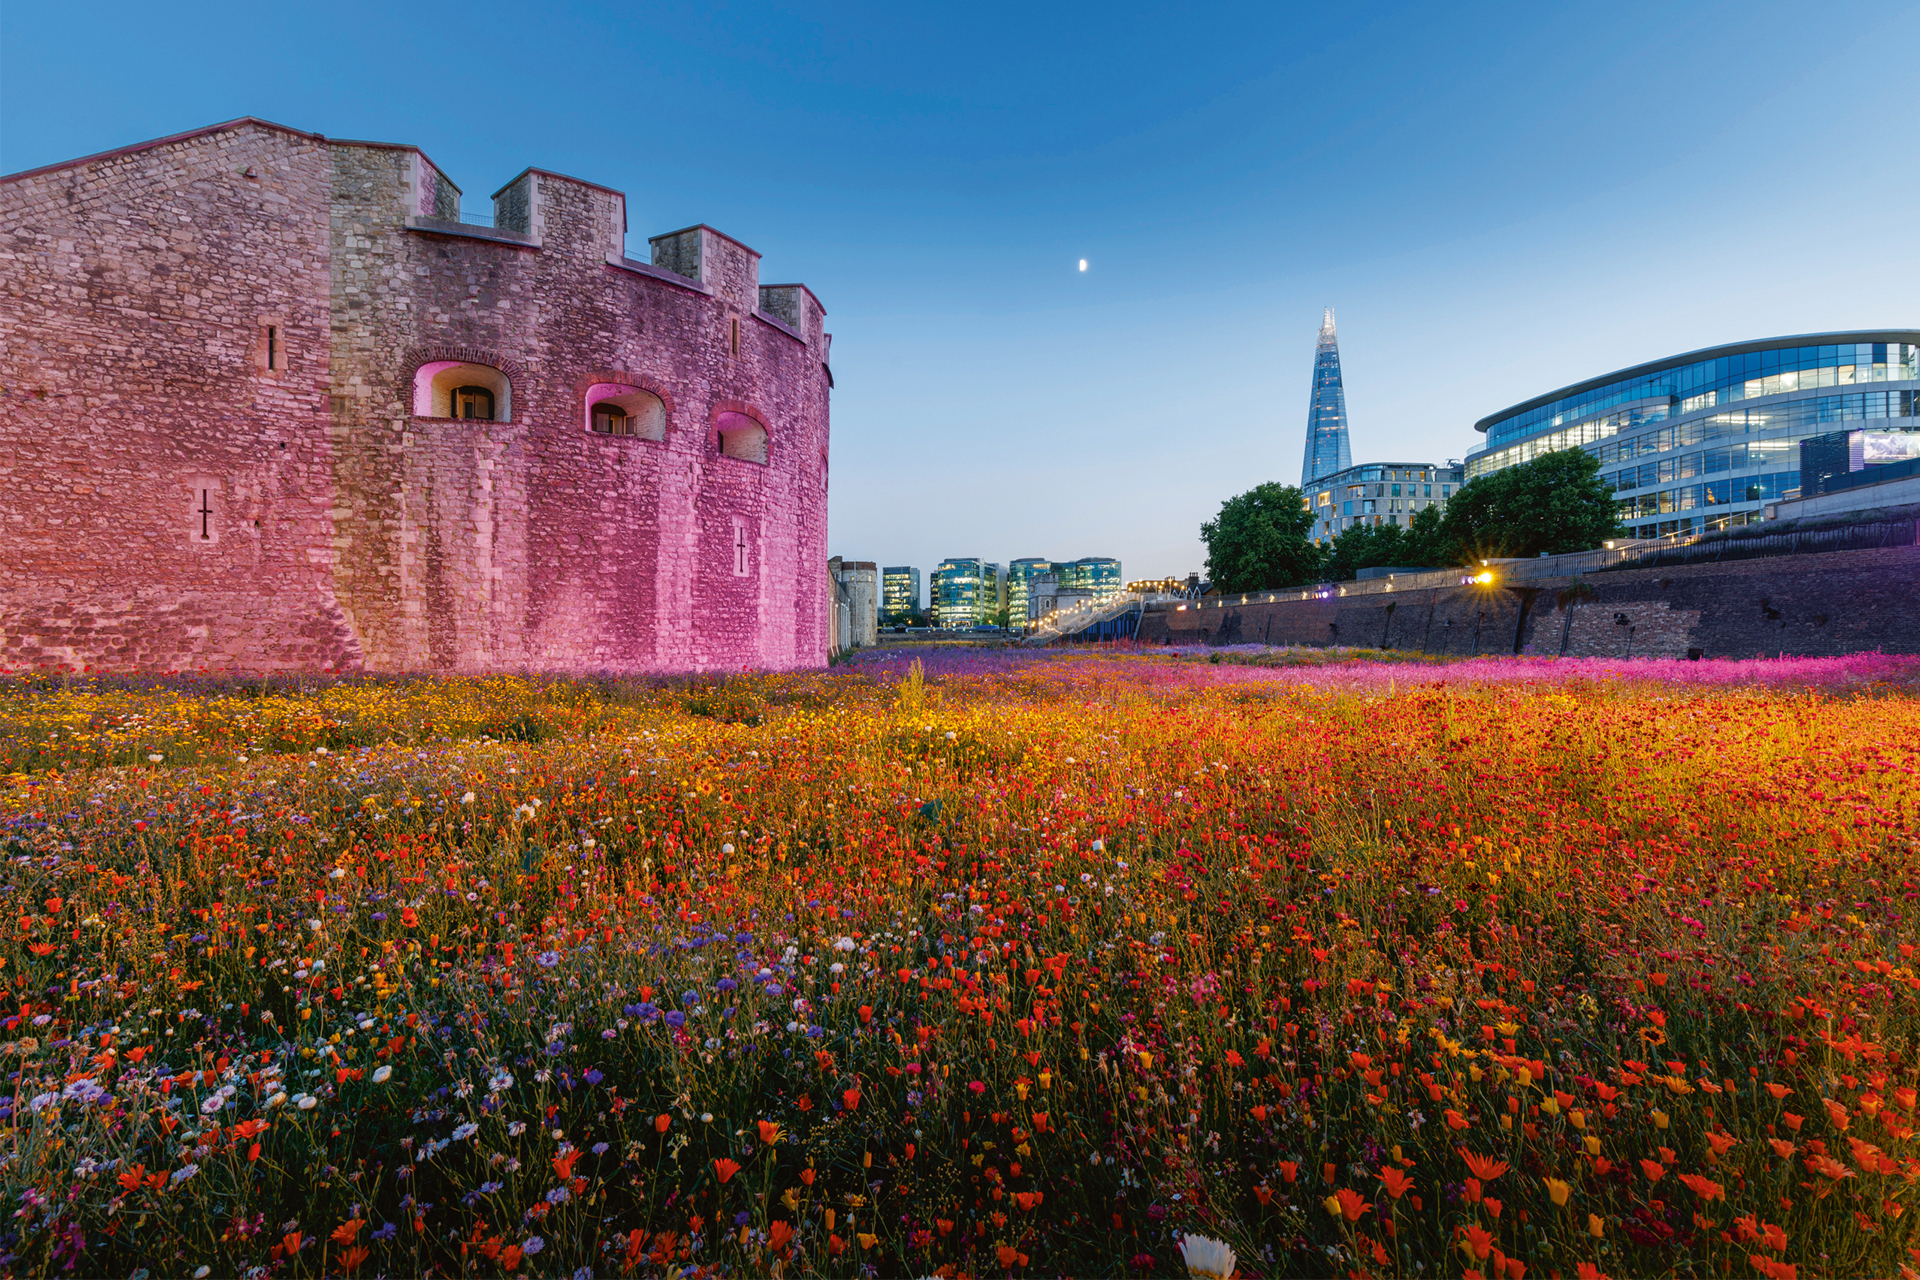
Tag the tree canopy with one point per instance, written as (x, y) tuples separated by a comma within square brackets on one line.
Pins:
[(1421, 546), (1259, 540), (1554, 504)]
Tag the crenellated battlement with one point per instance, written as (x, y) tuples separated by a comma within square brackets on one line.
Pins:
[(537, 208), (715, 259)]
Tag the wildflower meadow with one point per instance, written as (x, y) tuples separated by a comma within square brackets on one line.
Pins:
[(967, 963)]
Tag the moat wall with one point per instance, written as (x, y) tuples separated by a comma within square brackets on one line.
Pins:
[(1804, 605)]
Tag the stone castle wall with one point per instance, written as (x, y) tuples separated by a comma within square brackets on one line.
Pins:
[(1805, 605), (350, 531)]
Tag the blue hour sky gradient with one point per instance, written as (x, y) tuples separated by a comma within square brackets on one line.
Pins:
[(1498, 199)]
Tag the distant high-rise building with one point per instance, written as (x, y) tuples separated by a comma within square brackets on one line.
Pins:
[(1327, 450), (1098, 574), (899, 595), (965, 592), (1020, 576)]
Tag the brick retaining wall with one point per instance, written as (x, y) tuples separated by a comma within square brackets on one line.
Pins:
[(1827, 603)]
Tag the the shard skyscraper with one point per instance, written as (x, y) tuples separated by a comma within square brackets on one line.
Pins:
[(1327, 449)]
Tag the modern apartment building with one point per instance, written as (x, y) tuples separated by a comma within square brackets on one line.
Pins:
[(1379, 493)]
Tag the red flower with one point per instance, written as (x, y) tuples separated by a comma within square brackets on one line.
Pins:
[(1484, 1168), (1352, 1204)]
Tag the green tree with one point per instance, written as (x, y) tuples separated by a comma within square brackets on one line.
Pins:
[(1554, 504), (1425, 541), (1417, 545), (1259, 540), (1362, 547)]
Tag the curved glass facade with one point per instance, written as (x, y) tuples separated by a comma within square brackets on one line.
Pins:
[(1679, 453)]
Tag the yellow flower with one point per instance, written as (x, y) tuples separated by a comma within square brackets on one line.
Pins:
[(1332, 1205), (1659, 1118), (1593, 1145), (1578, 1119), (1559, 1190), (1594, 1225)]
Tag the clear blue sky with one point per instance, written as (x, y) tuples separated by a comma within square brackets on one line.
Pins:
[(1497, 199)]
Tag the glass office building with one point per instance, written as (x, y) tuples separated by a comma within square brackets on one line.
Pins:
[(1327, 448), (1020, 576), (1098, 574), (965, 593), (1379, 493), (899, 595), (1700, 441)]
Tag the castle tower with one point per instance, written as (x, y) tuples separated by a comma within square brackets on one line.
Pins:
[(419, 442), (1327, 450)]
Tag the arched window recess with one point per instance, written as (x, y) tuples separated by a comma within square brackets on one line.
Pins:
[(741, 437), (454, 389), (617, 409)]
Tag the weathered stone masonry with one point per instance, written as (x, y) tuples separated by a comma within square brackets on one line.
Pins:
[(224, 447)]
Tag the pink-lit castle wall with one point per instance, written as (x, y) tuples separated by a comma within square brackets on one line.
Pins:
[(269, 405)]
